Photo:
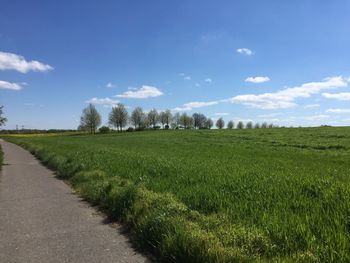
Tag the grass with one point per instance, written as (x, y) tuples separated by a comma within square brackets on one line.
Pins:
[(216, 196)]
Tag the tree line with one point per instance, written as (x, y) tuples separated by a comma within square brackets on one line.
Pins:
[(3, 120), (119, 119)]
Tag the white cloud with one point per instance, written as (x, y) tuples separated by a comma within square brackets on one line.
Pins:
[(10, 61), (197, 84), (9, 85), (285, 98), (337, 96), (196, 104), (257, 79), (316, 117), (184, 76), (110, 85), (142, 93), (182, 109), (221, 114), (245, 51), (103, 101), (209, 80), (338, 110), (272, 119), (269, 115), (309, 106)]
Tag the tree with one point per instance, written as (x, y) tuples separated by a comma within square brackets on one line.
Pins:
[(270, 125), (138, 117), (249, 125), (190, 122), (3, 120), (199, 120), (240, 125), (230, 125), (153, 117), (257, 125), (165, 118), (186, 121), (83, 128), (264, 125), (168, 116), (162, 118), (177, 120), (118, 117), (90, 118), (220, 123), (209, 123)]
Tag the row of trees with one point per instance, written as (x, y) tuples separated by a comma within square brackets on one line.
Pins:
[(119, 118), (3, 120)]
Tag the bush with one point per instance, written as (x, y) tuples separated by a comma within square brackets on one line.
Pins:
[(130, 129), (104, 129)]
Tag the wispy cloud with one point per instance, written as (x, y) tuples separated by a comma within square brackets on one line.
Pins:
[(199, 104), (270, 115), (184, 76), (103, 101), (110, 85), (338, 110), (209, 37), (245, 51), (196, 104), (209, 80), (9, 85), (337, 96), (10, 61), (316, 117), (30, 104), (310, 106), (285, 98), (221, 114), (257, 79), (142, 93)]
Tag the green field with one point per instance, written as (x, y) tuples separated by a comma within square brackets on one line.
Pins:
[(216, 195)]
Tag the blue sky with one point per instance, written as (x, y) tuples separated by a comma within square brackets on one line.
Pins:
[(285, 62)]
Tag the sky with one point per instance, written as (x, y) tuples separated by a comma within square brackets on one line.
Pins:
[(285, 62)]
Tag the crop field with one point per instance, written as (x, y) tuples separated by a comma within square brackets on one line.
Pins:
[(280, 194)]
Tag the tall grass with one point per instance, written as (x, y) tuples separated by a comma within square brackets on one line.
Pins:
[(217, 196)]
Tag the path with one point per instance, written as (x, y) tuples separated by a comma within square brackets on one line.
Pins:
[(41, 220)]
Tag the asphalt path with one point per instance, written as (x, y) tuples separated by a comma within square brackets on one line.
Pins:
[(42, 220)]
